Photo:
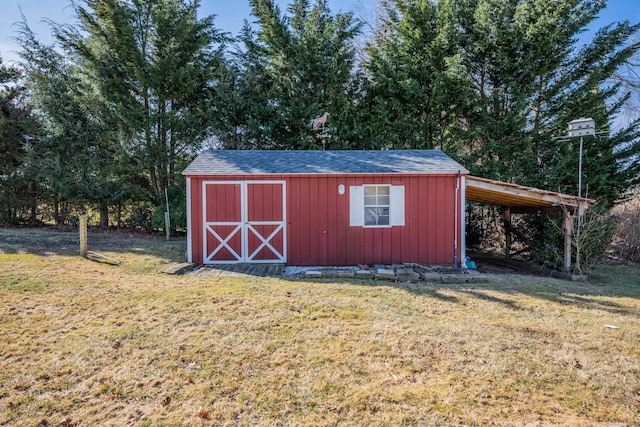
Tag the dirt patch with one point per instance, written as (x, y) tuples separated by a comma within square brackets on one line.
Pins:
[(498, 264)]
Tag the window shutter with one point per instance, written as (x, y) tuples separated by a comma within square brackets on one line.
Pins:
[(397, 205), (356, 206)]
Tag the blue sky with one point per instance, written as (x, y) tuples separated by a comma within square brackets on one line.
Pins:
[(230, 15)]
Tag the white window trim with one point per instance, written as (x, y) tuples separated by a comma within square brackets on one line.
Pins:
[(364, 207), (357, 207)]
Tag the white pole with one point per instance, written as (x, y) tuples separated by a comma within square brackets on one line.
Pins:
[(167, 218), (578, 242), (580, 171), (463, 206)]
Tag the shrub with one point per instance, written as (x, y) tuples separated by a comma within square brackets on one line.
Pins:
[(627, 238), (177, 212), (596, 232), (140, 217)]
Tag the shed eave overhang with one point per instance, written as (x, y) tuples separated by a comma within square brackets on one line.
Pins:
[(321, 173)]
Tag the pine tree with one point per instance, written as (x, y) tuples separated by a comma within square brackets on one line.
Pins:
[(532, 78), (494, 82), (76, 159), (154, 63), (18, 130), (292, 69), (415, 78)]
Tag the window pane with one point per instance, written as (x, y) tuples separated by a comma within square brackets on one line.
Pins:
[(376, 216), (370, 216), (370, 190), (377, 201)]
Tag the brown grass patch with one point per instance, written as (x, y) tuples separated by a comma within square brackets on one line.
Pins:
[(86, 343)]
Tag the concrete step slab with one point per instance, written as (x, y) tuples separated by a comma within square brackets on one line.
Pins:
[(313, 274), (385, 274), (407, 275), (181, 268)]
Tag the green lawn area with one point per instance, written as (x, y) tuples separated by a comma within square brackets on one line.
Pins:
[(88, 343)]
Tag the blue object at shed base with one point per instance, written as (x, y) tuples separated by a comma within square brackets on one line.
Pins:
[(470, 264)]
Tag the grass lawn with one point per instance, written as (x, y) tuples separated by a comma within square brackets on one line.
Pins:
[(87, 343)]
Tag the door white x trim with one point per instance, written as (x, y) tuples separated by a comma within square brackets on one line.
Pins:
[(265, 241), (247, 228), (224, 243)]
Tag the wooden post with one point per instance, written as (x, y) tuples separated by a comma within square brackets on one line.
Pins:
[(83, 236), (507, 232), (167, 225), (568, 231)]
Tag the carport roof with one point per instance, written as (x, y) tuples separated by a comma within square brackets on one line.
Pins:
[(522, 199)]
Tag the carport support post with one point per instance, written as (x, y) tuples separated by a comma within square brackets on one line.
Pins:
[(568, 231), (507, 232)]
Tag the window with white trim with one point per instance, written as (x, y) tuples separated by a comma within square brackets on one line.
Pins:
[(378, 205), (377, 201)]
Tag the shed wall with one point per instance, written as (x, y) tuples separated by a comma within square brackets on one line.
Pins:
[(318, 230)]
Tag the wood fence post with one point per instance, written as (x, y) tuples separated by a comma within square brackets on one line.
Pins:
[(83, 236), (568, 231), (507, 232), (167, 222)]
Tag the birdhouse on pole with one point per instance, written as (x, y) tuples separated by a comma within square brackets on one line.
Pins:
[(582, 127)]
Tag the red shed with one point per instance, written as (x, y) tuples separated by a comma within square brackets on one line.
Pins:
[(325, 207)]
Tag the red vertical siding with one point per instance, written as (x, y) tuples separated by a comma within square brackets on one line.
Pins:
[(223, 203), (265, 202), (318, 231), (310, 218)]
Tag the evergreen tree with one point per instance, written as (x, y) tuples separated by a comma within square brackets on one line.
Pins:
[(494, 82), (530, 79), (292, 69), (415, 78), (246, 93), (154, 63), (10, 131), (76, 160), (18, 130)]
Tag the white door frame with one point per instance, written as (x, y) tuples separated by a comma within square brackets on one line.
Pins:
[(244, 226)]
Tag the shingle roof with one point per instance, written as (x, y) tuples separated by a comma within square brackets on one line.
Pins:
[(241, 162)]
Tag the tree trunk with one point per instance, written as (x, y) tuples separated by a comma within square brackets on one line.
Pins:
[(104, 216), (64, 211), (56, 210), (34, 205)]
